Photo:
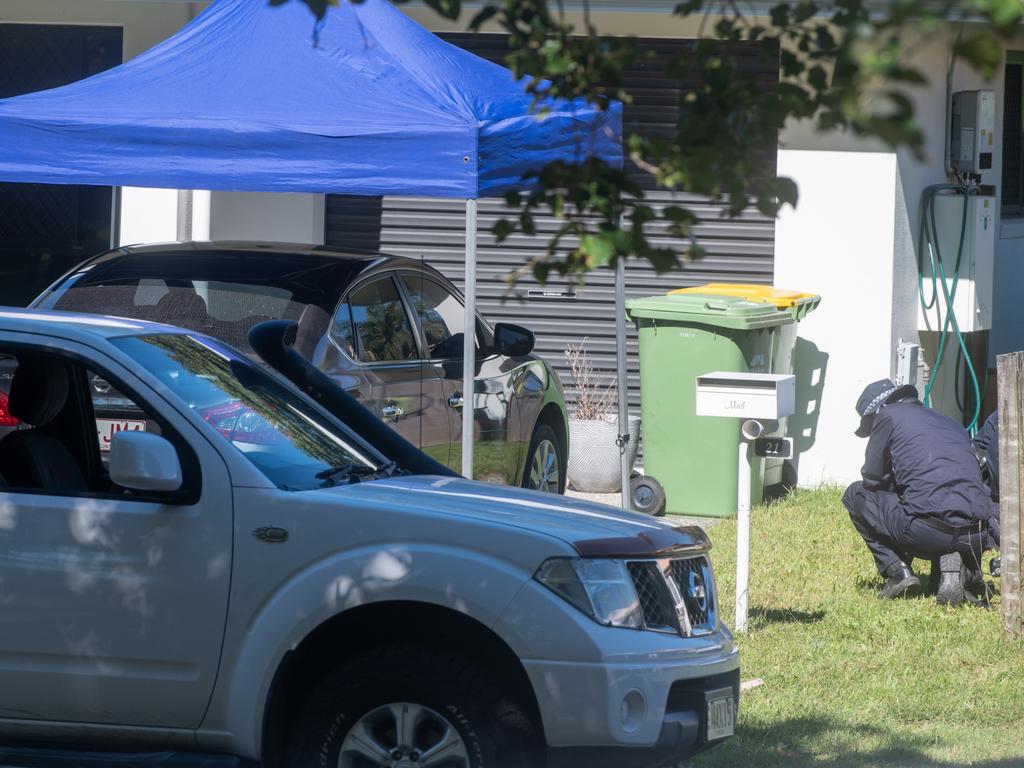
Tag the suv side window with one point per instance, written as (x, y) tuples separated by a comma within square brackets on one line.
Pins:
[(382, 328), (341, 331), (441, 315)]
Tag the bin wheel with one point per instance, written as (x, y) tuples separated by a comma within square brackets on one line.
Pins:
[(789, 475), (648, 496)]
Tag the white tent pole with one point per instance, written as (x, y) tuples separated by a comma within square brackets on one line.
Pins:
[(621, 363), (469, 344)]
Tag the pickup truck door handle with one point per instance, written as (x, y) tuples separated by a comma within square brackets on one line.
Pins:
[(391, 411), (456, 401)]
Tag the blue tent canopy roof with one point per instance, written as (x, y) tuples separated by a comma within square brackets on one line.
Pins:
[(241, 99)]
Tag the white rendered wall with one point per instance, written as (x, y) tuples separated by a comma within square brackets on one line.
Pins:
[(148, 216), (269, 216), (839, 243)]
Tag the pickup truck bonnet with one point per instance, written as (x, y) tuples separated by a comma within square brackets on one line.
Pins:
[(594, 530)]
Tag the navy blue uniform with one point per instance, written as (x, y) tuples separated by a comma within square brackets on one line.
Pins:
[(986, 443), (920, 468)]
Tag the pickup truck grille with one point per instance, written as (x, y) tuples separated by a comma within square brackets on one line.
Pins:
[(692, 578), (655, 604), (676, 596)]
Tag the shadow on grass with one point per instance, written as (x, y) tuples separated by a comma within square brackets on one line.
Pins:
[(813, 741), (785, 616)]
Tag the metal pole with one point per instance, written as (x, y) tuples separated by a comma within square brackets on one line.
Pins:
[(115, 217), (622, 362), (469, 344), (184, 215), (743, 536)]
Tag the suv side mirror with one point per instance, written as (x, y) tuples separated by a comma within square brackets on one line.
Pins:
[(141, 461), (513, 340)]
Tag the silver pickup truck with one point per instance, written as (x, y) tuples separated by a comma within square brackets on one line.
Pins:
[(268, 586)]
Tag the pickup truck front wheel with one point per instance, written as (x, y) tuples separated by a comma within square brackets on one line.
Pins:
[(411, 708)]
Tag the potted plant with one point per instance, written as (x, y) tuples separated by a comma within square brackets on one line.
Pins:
[(594, 429)]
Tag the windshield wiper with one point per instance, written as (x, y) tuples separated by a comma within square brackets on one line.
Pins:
[(347, 474)]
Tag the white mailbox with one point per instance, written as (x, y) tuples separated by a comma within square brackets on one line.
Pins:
[(746, 395)]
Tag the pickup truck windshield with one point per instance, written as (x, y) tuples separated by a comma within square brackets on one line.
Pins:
[(285, 437)]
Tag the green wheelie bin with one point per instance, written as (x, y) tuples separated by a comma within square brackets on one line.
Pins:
[(683, 336), (798, 305)]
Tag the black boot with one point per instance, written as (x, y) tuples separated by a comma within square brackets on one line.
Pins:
[(899, 580), (951, 589)]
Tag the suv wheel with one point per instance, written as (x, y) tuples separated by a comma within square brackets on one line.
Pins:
[(412, 708), (544, 462)]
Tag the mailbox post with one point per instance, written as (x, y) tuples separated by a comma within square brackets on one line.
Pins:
[(760, 400)]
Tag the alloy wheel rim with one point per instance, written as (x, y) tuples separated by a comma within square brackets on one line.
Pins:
[(403, 735), (544, 469)]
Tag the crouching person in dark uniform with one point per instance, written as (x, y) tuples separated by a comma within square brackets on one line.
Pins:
[(922, 493), (986, 446)]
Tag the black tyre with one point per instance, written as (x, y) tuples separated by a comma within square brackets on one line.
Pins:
[(786, 487), (647, 495), (412, 707), (545, 465)]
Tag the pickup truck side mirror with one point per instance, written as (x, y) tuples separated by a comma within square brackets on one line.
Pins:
[(513, 340), (141, 461)]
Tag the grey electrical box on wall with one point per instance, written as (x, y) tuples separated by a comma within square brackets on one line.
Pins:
[(972, 134)]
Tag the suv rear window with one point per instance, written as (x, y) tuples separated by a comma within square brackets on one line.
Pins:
[(221, 294)]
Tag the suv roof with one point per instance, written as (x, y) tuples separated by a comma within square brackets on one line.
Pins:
[(246, 246)]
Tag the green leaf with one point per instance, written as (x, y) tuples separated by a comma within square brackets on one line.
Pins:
[(597, 249), (780, 15), (818, 78), (688, 8), (681, 216), (786, 190), (982, 50), (450, 9), (487, 13), (502, 229)]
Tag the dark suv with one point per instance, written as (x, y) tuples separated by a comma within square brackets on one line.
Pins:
[(387, 329)]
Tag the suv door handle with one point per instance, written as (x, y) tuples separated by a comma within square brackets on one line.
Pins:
[(456, 402), (391, 411)]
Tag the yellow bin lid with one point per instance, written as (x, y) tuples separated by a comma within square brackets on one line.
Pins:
[(781, 298)]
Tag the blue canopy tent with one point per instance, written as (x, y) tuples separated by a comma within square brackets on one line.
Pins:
[(246, 98)]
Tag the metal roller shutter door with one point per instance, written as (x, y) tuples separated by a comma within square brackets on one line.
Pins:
[(737, 250)]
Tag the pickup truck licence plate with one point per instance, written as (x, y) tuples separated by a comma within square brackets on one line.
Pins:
[(107, 428), (721, 714)]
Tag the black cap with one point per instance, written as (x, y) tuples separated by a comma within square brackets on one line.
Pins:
[(874, 396)]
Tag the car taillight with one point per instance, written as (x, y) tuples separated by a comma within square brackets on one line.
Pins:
[(239, 423), (6, 420)]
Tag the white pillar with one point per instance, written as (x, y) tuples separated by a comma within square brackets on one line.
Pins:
[(201, 204), (469, 344)]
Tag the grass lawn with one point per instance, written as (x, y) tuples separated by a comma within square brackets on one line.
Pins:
[(851, 680)]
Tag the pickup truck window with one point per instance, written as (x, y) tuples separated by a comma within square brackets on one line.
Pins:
[(283, 436)]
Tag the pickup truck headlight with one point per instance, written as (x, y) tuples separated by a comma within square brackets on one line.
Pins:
[(602, 589)]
